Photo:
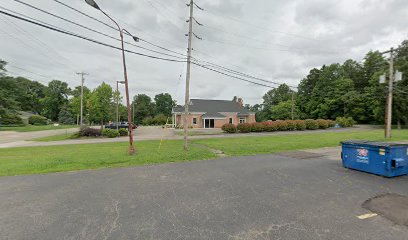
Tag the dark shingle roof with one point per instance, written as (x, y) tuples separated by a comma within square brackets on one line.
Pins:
[(213, 106), (213, 115)]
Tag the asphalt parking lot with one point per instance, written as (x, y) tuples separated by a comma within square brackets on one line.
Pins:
[(259, 197)]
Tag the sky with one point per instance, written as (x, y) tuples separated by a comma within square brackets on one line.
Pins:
[(278, 40)]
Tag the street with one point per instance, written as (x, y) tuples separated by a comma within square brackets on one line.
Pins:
[(298, 195)]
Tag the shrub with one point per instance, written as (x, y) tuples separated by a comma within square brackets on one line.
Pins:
[(270, 126), (282, 125), (11, 119), (345, 122), (110, 133), (37, 120), (311, 124), (147, 121), (89, 132), (160, 119), (257, 127), (229, 128), (291, 125), (300, 125), (323, 124), (244, 127), (123, 132), (331, 123)]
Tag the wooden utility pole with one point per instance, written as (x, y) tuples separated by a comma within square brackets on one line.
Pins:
[(82, 94), (388, 116), (187, 97)]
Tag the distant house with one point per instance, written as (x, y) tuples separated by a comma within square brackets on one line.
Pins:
[(213, 113)]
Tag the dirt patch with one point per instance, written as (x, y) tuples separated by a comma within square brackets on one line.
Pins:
[(300, 155), (394, 207)]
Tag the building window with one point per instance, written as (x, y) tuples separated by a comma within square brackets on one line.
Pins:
[(194, 121), (230, 121), (242, 120)]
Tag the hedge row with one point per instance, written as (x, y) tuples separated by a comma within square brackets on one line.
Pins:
[(271, 126)]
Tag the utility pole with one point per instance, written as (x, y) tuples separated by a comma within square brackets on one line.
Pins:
[(293, 104), (388, 115), (188, 73), (117, 103), (82, 94)]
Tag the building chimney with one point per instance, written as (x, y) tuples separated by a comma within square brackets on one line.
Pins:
[(241, 102)]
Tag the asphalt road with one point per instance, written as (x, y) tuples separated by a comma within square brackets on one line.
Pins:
[(258, 197)]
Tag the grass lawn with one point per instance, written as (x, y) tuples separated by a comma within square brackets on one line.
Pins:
[(270, 144), (32, 128), (32, 160)]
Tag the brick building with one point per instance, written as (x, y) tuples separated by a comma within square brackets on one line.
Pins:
[(213, 113)]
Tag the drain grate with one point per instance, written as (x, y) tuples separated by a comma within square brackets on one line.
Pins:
[(394, 207), (300, 155)]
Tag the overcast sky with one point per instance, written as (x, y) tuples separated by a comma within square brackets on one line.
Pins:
[(280, 40)]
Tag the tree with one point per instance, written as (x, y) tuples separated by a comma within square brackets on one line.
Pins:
[(283, 111), (65, 116), (274, 97), (56, 96), (100, 104), (164, 104), (2, 68), (143, 107), (75, 102)]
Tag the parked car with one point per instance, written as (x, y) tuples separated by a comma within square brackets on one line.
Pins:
[(121, 125)]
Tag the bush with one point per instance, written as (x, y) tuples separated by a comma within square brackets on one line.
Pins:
[(345, 122), (311, 124), (244, 127), (89, 132), (270, 126), (37, 120), (331, 123), (123, 132), (291, 125), (300, 125), (323, 124), (282, 125), (229, 128), (11, 119), (110, 133), (257, 127)]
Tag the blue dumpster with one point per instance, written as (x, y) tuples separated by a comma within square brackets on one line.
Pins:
[(385, 159)]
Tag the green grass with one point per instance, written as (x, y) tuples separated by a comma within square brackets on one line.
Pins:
[(34, 160), (280, 143), (53, 138), (32, 128)]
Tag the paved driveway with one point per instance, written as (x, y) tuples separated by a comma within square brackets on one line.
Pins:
[(258, 197)]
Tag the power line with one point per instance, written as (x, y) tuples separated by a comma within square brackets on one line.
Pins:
[(90, 29), (231, 76), (112, 27), (56, 29)]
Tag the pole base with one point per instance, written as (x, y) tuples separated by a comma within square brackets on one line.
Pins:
[(132, 150)]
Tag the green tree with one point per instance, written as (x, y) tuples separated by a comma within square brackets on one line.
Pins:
[(100, 104), (143, 107), (56, 96), (274, 97), (65, 116), (283, 111), (164, 104), (75, 102)]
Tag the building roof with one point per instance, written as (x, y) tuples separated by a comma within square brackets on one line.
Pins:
[(213, 107), (213, 115)]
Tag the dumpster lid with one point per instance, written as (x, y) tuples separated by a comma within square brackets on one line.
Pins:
[(373, 143)]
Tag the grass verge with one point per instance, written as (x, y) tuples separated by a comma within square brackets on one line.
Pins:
[(32, 128), (34, 160), (53, 138), (279, 143)]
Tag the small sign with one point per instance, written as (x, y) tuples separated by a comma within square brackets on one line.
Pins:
[(362, 155), (382, 151)]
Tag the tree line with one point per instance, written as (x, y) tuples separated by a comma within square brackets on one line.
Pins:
[(59, 103), (351, 89)]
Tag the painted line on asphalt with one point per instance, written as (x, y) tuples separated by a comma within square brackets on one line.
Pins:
[(368, 215)]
